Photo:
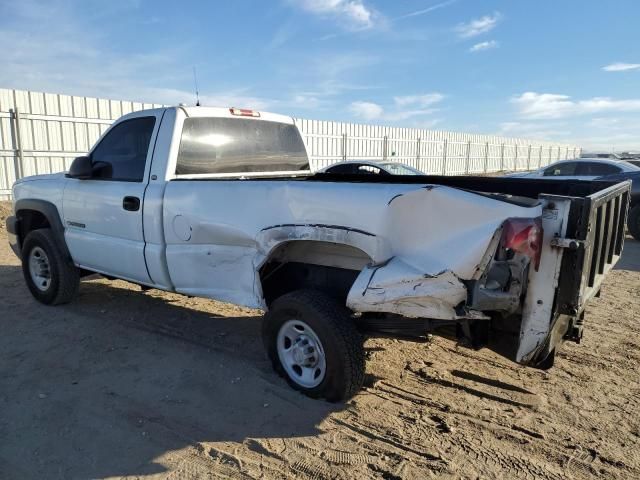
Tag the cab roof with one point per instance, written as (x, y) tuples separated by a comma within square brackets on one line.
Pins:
[(234, 112)]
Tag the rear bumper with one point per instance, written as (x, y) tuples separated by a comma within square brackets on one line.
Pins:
[(12, 232), (563, 328)]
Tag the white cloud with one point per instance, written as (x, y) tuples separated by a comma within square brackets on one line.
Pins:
[(402, 115), (353, 14), (366, 110), (479, 26), (359, 14), (619, 142), (605, 122), (592, 134), (426, 124), (404, 108), (378, 20), (70, 57), (424, 100), (606, 104), (306, 101), (621, 67), (282, 35), (332, 74), (548, 105), (544, 105), (424, 11), (534, 130), (478, 47)]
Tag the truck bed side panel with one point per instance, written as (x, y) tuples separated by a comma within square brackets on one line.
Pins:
[(218, 233)]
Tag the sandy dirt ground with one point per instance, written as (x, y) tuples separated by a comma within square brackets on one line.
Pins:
[(125, 383)]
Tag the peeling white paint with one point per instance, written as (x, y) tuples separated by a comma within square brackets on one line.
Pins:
[(538, 305), (401, 289)]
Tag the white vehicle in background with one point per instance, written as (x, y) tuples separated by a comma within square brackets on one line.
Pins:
[(220, 203), (366, 167)]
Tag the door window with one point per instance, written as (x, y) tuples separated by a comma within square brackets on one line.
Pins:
[(563, 169), (343, 169), (122, 153)]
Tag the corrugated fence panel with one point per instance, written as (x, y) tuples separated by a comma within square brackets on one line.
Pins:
[(43, 133)]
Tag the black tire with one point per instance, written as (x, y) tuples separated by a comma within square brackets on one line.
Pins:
[(341, 342), (633, 222), (64, 276)]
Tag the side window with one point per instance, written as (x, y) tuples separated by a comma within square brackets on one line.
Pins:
[(563, 169), (597, 169), (122, 153), (344, 169)]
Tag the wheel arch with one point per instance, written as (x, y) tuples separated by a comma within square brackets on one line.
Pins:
[(35, 213), (322, 265)]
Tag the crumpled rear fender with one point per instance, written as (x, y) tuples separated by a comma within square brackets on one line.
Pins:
[(396, 287), (439, 238)]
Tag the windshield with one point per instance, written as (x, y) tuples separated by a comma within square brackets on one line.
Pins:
[(401, 169), (632, 165)]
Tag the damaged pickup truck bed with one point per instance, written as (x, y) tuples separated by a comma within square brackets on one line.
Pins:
[(220, 203)]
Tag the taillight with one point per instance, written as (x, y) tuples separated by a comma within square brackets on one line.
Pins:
[(244, 112), (524, 235)]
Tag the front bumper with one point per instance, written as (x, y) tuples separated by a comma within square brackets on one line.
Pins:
[(12, 232)]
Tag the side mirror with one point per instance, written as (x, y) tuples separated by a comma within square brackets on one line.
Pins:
[(81, 168)]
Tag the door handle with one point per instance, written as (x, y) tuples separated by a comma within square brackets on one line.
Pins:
[(131, 203)]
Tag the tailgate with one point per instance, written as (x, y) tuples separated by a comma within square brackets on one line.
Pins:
[(583, 239), (597, 224)]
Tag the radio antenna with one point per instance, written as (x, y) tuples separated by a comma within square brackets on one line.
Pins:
[(195, 82)]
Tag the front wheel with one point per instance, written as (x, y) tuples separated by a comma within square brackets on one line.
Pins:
[(314, 344), (633, 222), (51, 278)]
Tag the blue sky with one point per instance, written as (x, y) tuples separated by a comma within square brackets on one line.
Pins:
[(546, 69)]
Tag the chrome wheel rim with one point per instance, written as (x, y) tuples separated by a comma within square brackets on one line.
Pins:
[(301, 353), (39, 269)]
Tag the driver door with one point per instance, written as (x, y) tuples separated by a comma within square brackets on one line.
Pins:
[(103, 215)]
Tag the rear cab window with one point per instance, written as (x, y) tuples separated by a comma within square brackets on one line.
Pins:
[(218, 145)]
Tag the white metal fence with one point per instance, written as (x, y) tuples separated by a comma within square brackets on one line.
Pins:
[(44, 132), (431, 151)]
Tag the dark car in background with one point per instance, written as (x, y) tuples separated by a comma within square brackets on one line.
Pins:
[(613, 169), (633, 220), (581, 168)]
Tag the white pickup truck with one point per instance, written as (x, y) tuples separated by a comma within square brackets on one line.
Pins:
[(220, 203)]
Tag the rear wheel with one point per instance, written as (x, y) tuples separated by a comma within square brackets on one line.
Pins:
[(633, 222), (51, 278), (313, 343)]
